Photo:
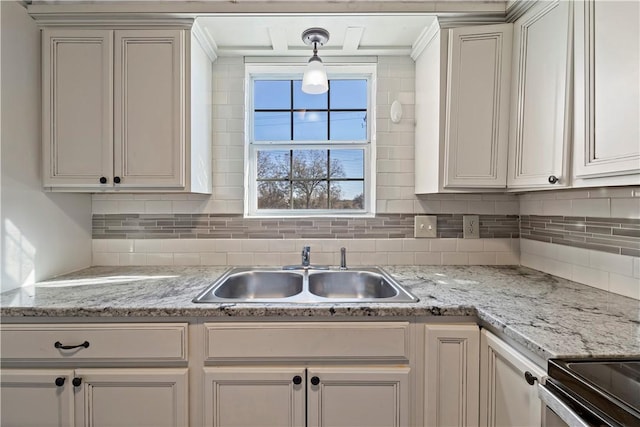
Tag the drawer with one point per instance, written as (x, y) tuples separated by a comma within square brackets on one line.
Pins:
[(379, 341), (149, 342)]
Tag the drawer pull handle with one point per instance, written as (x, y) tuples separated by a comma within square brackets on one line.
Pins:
[(60, 381), (76, 382), (58, 344), (315, 380), (531, 379)]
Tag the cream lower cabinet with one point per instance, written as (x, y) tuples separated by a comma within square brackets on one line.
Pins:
[(314, 374), (316, 396), (102, 397), (506, 398), (63, 375), (452, 375)]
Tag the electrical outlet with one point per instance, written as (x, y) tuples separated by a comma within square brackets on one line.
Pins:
[(470, 226), (426, 226)]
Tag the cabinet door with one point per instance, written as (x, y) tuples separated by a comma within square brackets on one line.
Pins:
[(540, 116), (77, 129), (607, 62), (452, 375), (31, 398), (477, 115), (254, 396), (358, 397), (132, 397), (506, 399), (149, 100)]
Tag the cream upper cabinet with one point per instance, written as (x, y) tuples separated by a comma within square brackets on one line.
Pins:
[(77, 101), (117, 110), (462, 108), (452, 375), (540, 123), (606, 93), (506, 398)]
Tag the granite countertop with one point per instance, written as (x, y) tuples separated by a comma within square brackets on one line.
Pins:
[(550, 316)]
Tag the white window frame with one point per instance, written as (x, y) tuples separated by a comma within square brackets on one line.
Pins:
[(294, 72)]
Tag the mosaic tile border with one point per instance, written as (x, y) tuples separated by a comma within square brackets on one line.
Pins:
[(614, 235), (213, 226)]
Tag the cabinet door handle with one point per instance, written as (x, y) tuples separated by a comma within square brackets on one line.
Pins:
[(531, 379), (315, 380), (103, 180), (116, 179), (553, 179), (297, 380), (59, 345), (59, 381), (76, 382)]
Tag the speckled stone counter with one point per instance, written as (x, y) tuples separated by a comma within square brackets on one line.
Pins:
[(549, 316)]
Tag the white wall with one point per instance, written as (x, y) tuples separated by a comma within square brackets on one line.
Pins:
[(43, 234)]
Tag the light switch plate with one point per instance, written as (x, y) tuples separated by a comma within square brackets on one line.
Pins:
[(426, 226), (471, 226)]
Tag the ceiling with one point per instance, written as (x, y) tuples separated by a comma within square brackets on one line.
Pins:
[(350, 35)]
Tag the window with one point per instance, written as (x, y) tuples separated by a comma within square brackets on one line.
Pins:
[(309, 155)]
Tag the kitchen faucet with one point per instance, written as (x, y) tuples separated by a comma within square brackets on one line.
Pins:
[(306, 262), (306, 256)]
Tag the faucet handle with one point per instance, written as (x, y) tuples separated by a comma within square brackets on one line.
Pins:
[(343, 258)]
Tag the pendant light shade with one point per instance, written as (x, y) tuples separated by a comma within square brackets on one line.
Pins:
[(315, 77)]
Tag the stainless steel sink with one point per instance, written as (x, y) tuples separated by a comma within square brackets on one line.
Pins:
[(351, 284), (274, 285), (260, 284)]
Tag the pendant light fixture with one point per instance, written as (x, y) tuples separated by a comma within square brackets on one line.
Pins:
[(315, 77)]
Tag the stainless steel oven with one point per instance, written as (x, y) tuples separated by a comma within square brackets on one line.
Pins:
[(592, 392)]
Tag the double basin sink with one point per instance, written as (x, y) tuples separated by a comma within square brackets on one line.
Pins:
[(275, 285)]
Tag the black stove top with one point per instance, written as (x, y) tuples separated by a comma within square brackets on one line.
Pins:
[(607, 389)]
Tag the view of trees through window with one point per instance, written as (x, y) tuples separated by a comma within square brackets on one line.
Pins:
[(305, 176)]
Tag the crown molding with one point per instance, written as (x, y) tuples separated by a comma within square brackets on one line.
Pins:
[(518, 8), (424, 39), (206, 41)]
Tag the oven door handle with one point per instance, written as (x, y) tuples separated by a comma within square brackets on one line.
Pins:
[(560, 408)]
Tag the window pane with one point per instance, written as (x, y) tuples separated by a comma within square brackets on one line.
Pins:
[(347, 164), (348, 94), (310, 195), (305, 101), (310, 165), (272, 126), (272, 94), (347, 194), (273, 164), (349, 126), (274, 195), (309, 126)]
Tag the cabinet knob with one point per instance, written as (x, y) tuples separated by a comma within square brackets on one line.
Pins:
[(297, 379), (531, 379), (76, 382), (315, 380), (553, 179), (60, 381), (116, 179), (103, 180)]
